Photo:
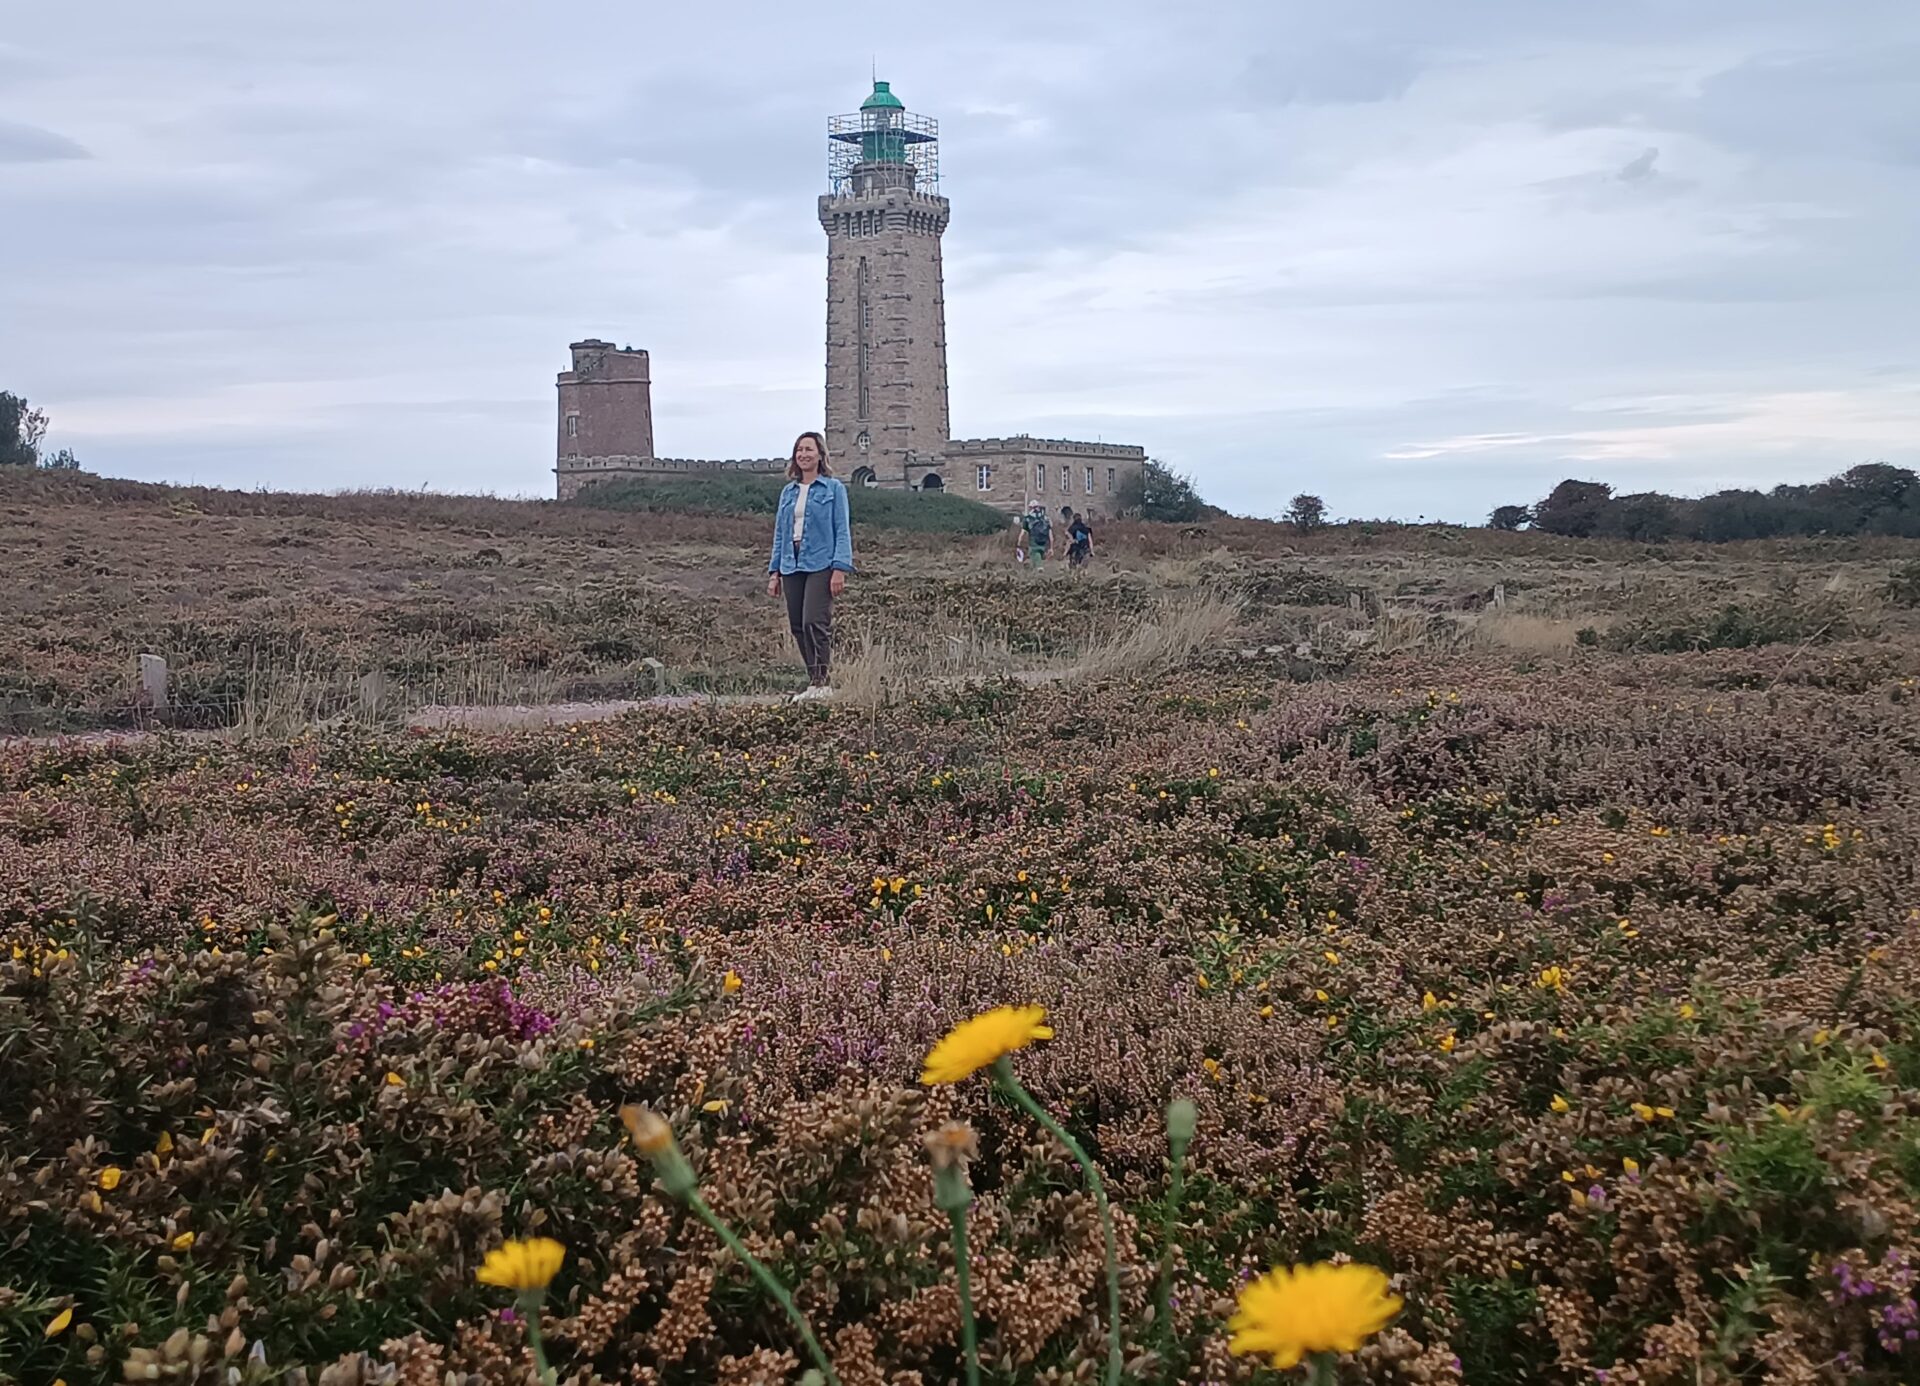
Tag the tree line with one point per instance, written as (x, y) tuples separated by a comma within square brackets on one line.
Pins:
[(1872, 498), (22, 430)]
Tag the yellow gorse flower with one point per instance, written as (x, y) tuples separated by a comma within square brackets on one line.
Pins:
[(60, 1322), (981, 1042), (523, 1266), (731, 982), (110, 1178), (1290, 1312)]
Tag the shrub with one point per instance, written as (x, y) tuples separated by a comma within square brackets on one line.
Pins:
[(1510, 517), (1769, 620), (1306, 513), (1903, 584), (1157, 492), (924, 512)]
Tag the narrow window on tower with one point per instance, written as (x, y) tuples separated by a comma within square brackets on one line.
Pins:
[(1040, 476), (983, 477), (864, 321), (1066, 480), (1109, 481), (573, 425), (1089, 481)]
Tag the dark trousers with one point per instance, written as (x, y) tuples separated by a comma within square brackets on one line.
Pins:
[(810, 617)]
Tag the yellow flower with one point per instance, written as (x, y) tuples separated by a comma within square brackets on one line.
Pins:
[(731, 982), (164, 1146), (394, 1080), (1686, 1010), (1447, 1042), (1560, 1105), (1643, 1111), (718, 1106), (1630, 1165), (1212, 1066), (1429, 1001), (650, 1132), (1288, 1313), (110, 1178), (528, 1265), (979, 1043), (1266, 1013), (184, 1242), (60, 1322), (1331, 957)]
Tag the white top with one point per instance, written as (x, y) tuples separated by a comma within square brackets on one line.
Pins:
[(800, 513)]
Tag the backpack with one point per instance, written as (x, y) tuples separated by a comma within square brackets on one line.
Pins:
[(1038, 527)]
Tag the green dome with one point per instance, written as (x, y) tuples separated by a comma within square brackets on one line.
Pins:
[(882, 99)]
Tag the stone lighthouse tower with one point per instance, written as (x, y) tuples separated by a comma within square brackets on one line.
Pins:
[(886, 310)]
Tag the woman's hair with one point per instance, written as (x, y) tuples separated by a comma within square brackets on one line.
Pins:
[(793, 467)]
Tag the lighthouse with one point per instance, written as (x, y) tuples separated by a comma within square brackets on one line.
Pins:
[(886, 309)]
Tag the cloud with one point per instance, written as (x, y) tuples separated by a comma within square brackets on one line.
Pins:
[(1403, 255), (29, 144)]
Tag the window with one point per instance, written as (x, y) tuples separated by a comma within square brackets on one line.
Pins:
[(983, 477), (1066, 480), (573, 425), (1089, 481), (1039, 476), (1109, 481)]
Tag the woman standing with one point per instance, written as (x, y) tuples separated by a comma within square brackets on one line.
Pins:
[(812, 555)]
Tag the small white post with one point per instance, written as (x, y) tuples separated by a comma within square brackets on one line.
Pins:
[(153, 683)]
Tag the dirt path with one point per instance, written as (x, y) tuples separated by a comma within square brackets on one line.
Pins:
[(440, 717), (556, 714)]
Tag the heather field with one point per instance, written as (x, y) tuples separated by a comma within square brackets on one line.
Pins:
[(1558, 960)]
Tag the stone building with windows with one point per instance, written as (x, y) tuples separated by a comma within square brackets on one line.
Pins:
[(887, 422)]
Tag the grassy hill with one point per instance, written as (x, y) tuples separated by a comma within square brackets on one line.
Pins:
[(720, 494)]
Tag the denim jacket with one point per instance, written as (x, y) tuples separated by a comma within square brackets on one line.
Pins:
[(827, 541)]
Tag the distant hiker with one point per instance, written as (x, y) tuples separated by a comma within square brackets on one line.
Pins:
[(812, 555), (1038, 530), (1080, 540)]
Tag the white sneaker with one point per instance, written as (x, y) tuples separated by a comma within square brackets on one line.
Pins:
[(813, 693)]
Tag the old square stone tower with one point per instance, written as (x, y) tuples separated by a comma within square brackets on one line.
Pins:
[(886, 354), (886, 307)]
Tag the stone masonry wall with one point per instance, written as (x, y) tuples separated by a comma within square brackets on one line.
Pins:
[(575, 474), (605, 404), (1052, 471), (884, 282)]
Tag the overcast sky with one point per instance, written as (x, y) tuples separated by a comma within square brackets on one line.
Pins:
[(1416, 257)]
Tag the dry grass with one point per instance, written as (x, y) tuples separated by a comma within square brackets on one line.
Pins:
[(877, 670), (272, 608)]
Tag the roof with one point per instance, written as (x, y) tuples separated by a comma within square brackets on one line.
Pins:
[(882, 99)]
